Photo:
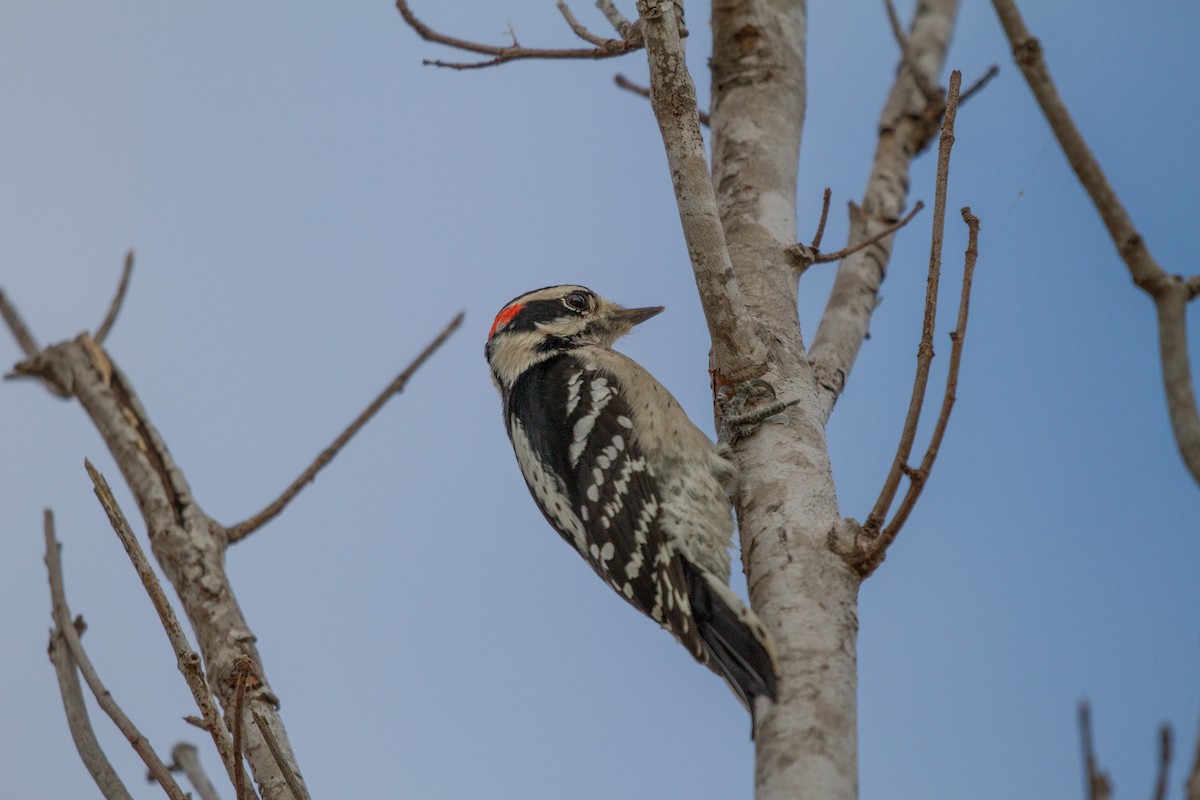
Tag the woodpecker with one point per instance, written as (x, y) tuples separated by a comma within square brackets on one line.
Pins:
[(624, 476)]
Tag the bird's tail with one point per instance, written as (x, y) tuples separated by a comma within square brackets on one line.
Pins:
[(739, 647)]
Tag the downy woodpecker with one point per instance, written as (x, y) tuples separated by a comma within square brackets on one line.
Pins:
[(619, 470)]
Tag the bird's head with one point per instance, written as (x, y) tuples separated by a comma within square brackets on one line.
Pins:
[(545, 322)]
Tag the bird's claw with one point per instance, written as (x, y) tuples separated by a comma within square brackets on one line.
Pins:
[(737, 423)]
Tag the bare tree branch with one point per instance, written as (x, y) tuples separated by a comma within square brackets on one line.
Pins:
[(90, 752), (190, 545), (186, 659), (615, 18), (1170, 293), (826, 197), (65, 628), (978, 86), (187, 758), (17, 325), (1098, 785), (738, 353), (804, 256), (239, 721), (243, 529), (514, 52), (908, 122), (114, 308), (925, 351), (871, 555), (628, 85), (26, 342), (1164, 762), (932, 93), (578, 27), (872, 540), (298, 790)]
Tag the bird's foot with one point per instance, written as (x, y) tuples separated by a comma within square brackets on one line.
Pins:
[(735, 421)]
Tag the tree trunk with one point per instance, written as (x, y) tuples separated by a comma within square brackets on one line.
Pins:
[(807, 743)]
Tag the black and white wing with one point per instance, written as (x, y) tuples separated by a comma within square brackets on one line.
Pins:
[(598, 490), (595, 487)]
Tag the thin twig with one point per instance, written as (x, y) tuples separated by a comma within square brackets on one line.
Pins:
[(578, 27), (114, 308), (26, 342), (804, 256), (66, 628), (619, 21), (187, 758), (239, 711), (1098, 785), (873, 552), (513, 52), (243, 529), (187, 659), (277, 753), (976, 87), (820, 234), (928, 90), (97, 764), (1164, 762), (638, 89), (17, 325), (1171, 293), (838, 255)]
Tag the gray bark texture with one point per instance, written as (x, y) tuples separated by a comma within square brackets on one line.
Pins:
[(787, 506)]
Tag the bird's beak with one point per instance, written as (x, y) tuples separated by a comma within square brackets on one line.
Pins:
[(628, 317)]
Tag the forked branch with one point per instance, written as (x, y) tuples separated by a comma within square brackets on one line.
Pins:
[(65, 628), (187, 659), (500, 54), (874, 538), (97, 764), (804, 256), (243, 529), (1171, 293)]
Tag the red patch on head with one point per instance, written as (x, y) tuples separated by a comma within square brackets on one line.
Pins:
[(504, 317)]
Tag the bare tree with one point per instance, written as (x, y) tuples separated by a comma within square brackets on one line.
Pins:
[(804, 558), (190, 547), (804, 562)]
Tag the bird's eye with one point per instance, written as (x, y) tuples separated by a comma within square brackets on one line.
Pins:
[(577, 301)]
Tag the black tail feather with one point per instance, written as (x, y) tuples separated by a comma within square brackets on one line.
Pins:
[(735, 652)]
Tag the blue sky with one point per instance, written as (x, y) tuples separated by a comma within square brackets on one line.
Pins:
[(309, 205)]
